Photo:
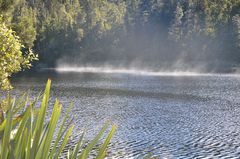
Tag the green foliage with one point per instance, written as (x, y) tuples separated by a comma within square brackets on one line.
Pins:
[(105, 15), (90, 29), (29, 135), (6, 4), (12, 59), (24, 23), (176, 29)]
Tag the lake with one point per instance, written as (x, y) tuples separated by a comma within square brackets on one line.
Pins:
[(170, 116)]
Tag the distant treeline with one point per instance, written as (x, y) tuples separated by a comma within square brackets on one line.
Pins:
[(162, 33)]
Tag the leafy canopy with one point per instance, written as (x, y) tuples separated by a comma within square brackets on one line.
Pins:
[(12, 59)]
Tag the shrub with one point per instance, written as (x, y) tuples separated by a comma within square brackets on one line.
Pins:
[(28, 135), (12, 59)]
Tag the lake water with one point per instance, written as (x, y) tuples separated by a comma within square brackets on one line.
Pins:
[(169, 116)]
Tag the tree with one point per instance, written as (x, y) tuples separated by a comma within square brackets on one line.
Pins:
[(236, 21), (12, 59), (25, 24), (175, 31)]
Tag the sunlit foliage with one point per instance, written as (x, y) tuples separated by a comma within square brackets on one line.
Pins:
[(25, 133), (12, 59)]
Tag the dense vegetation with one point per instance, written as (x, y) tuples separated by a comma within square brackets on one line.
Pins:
[(12, 59), (25, 133), (162, 33)]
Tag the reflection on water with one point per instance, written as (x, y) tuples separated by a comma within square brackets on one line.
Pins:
[(170, 116)]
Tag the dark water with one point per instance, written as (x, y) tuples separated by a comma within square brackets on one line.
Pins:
[(169, 116)]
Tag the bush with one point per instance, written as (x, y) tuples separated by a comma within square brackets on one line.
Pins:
[(12, 59), (30, 136)]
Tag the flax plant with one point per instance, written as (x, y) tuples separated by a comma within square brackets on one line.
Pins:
[(26, 134)]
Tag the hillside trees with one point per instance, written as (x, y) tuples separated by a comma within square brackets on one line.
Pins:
[(199, 30), (76, 27), (95, 31)]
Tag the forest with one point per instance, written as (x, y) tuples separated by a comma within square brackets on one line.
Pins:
[(156, 34)]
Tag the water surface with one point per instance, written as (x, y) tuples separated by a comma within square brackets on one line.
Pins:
[(170, 116)]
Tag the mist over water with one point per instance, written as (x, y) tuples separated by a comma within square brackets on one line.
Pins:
[(148, 48), (135, 71), (124, 71), (150, 51)]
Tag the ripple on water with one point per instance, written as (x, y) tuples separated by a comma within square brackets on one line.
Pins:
[(172, 117)]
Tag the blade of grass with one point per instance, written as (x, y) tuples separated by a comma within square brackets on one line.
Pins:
[(24, 120), (60, 132), (102, 151), (90, 146), (28, 145), (2, 126), (77, 147), (52, 126), (20, 103), (7, 132), (40, 119), (65, 140)]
